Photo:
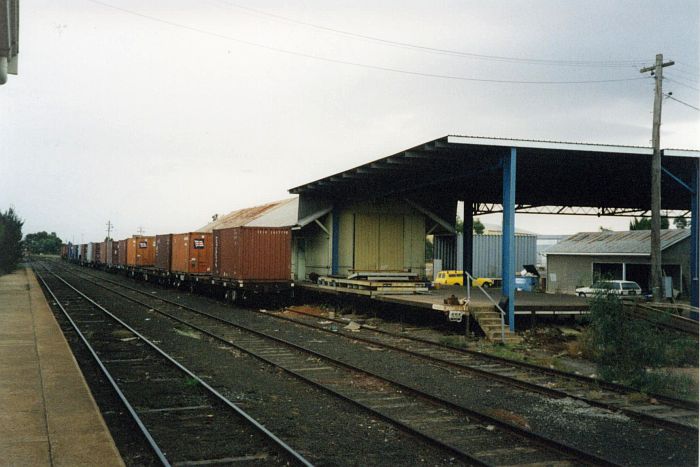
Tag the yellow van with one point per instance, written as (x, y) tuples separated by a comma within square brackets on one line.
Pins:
[(447, 278)]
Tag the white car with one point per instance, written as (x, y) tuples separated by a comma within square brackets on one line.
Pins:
[(610, 288)]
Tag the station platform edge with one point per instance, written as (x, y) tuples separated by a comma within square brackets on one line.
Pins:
[(47, 413)]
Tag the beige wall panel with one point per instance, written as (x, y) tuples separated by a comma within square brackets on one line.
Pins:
[(391, 242), (414, 243), (366, 242)]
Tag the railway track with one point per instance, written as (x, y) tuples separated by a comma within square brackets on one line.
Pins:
[(171, 405), (473, 437), (654, 409)]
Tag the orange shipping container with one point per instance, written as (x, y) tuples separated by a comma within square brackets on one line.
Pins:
[(105, 253), (191, 253), (141, 251), (253, 253)]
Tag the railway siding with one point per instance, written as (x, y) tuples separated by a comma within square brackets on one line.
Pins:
[(317, 424), (565, 419)]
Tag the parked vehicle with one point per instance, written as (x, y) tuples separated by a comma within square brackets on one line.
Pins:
[(615, 287), (448, 278)]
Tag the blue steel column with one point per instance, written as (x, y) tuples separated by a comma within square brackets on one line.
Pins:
[(335, 236), (694, 253), (508, 245), (467, 242)]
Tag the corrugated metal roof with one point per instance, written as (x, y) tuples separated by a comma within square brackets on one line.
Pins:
[(543, 143), (578, 174), (633, 242), (275, 214)]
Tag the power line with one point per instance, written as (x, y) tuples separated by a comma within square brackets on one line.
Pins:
[(682, 84), (689, 76), (356, 64), (669, 96), (688, 66), (407, 45), (685, 80)]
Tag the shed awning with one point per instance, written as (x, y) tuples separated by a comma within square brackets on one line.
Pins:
[(549, 173)]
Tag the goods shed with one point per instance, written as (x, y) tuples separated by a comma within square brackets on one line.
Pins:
[(581, 259), (489, 175)]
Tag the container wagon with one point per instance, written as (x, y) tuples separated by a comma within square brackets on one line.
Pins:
[(82, 253), (90, 253), (73, 252), (252, 260), (163, 252), (121, 253), (64, 251), (191, 253), (93, 253), (141, 251), (110, 256), (103, 253)]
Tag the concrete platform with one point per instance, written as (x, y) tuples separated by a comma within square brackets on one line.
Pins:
[(47, 414), (526, 303)]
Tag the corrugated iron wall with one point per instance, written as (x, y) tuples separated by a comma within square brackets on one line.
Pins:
[(445, 249), (486, 253)]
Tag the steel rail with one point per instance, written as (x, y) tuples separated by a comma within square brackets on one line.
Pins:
[(408, 429), (646, 418), (542, 440), (619, 388), (154, 446), (286, 449)]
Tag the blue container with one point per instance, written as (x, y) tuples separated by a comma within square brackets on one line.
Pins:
[(526, 283)]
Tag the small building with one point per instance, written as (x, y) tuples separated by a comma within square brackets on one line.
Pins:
[(582, 258)]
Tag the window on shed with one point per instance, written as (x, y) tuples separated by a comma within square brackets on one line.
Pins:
[(607, 271)]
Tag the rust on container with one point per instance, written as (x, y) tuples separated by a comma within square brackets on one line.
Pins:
[(98, 252), (191, 253), (253, 253), (141, 251), (163, 251), (121, 252), (104, 252)]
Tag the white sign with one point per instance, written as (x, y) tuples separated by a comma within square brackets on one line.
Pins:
[(456, 316)]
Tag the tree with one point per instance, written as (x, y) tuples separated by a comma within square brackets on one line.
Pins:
[(10, 240), (43, 243), (680, 222), (644, 223), (478, 226)]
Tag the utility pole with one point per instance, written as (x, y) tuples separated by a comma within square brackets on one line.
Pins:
[(657, 73), (110, 226)]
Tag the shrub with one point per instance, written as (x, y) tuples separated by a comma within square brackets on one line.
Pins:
[(625, 349)]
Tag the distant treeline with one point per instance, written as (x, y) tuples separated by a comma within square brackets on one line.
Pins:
[(10, 240), (43, 243)]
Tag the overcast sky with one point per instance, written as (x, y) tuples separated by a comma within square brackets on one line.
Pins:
[(159, 114)]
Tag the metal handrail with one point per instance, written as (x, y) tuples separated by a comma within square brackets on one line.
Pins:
[(503, 313)]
